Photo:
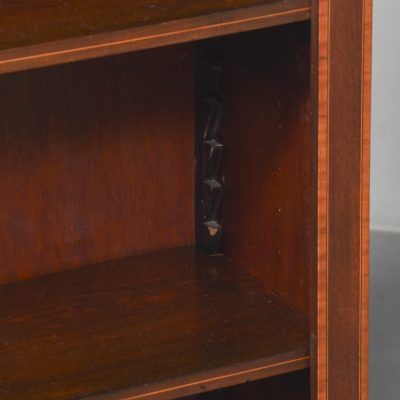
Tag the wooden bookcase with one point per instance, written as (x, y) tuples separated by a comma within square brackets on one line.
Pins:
[(184, 199)]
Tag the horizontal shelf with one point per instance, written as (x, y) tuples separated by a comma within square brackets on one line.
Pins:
[(160, 325), (40, 33)]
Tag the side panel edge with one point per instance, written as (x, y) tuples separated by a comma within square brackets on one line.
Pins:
[(342, 58)]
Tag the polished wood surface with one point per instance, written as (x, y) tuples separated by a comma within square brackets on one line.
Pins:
[(290, 386), (267, 163), (96, 161), (56, 20), (39, 33), (319, 326), (159, 325), (365, 197), (341, 310)]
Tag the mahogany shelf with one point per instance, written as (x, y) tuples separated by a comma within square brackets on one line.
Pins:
[(160, 325), (40, 33)]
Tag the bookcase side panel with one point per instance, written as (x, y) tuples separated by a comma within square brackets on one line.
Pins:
[(343, 59)]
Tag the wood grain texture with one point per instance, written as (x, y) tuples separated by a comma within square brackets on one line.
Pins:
[(267, 162), (158, 326), (39, 33), (344, 52), (96, 161), (321, 104), (365, 196)]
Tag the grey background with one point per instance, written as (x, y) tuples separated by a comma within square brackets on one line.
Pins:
[(385, 204), (385, 172)]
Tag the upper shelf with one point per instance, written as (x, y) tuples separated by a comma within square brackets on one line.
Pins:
[(47, 32)]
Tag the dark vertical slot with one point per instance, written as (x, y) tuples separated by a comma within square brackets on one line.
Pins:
[(209, 148)]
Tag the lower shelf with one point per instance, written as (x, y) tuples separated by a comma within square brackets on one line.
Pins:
[(160, 325)]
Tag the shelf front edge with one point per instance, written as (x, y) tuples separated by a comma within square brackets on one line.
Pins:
[(146, 37), (216, 379)]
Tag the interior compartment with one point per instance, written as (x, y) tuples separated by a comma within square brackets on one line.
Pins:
[(101, 170), (291, 386)]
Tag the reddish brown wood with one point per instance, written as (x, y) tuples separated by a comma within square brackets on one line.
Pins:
[(96, 161), (345, 118), (52, 32), (365, 197), (267, 160), (318, 320), (344, 51), (317, 280), (164, 324)]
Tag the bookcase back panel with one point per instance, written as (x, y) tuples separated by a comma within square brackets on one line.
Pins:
[(96, 161), (268, 158)]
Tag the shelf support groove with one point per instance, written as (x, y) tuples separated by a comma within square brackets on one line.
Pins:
[(209, 148)]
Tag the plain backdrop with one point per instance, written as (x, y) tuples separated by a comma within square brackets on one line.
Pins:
[(385, 204), (385, 154)]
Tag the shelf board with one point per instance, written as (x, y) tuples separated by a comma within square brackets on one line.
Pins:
[(40, 33), (160, 325)]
